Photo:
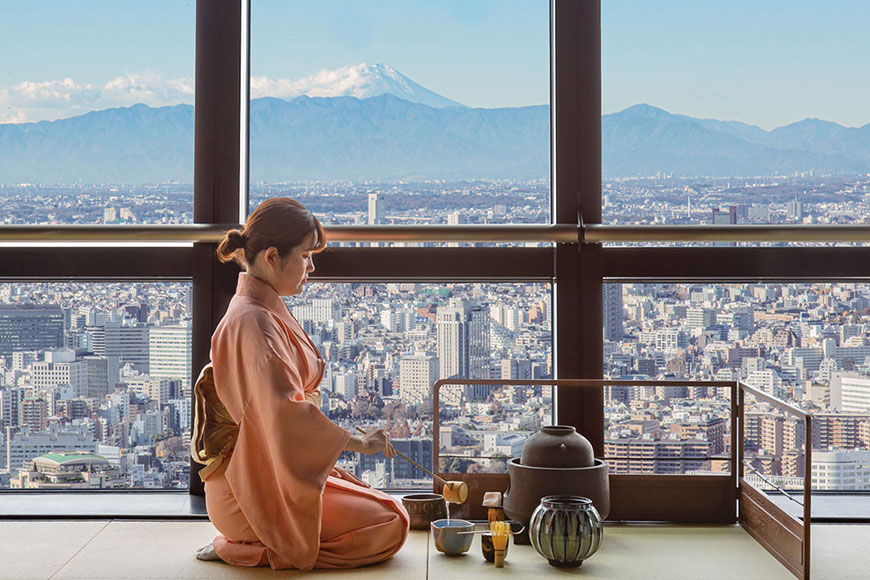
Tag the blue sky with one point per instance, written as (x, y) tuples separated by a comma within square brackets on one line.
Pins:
[(765, 62), (768, 62)]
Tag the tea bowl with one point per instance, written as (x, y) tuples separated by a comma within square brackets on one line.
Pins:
[(447, 537)]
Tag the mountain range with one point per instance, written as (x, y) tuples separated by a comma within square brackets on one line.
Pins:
[(380, 125), (642, 140)]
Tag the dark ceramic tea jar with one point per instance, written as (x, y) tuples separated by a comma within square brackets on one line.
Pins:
[(555, 461), (557, 446)]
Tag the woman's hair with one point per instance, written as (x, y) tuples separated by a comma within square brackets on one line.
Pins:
[(281, 222)]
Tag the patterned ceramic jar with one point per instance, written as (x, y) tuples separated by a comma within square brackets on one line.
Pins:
[(565, 529)]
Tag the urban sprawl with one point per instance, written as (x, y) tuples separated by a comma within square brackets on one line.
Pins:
[(95, 377)]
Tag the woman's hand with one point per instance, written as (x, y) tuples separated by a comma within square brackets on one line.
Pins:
[(347, 476), (372, 442)]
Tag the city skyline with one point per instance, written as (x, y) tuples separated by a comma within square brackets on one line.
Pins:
[(385, 344)]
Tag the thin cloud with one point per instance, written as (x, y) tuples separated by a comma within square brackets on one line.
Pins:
[(50, 92), (31, 101)]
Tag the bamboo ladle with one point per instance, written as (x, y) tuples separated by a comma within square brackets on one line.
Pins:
[(454, 491)]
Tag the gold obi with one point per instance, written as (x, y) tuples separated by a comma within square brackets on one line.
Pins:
[(214, 431)]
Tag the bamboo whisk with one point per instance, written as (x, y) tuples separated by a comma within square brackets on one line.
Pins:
[(501, 533)]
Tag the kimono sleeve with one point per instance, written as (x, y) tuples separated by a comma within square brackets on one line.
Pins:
[(305, 443)]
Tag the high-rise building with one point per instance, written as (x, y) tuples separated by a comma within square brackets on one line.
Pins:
[(169, 351), (419, 450), (519, 369), (417, 373), (30, 327), (456, 218), (10, 406), (22, 359), (129, 344), (179, 411), (156, 389), (767, 380), (345, 385), (463, 340), (722, 216), (613, 312), (376, 209), (103, 373), (794, 210)]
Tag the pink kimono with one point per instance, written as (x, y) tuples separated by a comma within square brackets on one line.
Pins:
[(277, 500)]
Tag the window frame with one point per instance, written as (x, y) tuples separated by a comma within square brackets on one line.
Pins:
[(577, 271), (220, 193)]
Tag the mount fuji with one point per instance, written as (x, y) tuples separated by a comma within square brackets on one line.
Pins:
[(361, 81)]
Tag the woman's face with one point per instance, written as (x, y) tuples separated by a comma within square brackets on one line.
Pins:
[(289, 274)]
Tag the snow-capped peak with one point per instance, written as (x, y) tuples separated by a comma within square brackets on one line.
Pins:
[(360, 80)]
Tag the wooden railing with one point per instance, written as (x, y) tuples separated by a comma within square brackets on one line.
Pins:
[(785, 536), (725, 498)]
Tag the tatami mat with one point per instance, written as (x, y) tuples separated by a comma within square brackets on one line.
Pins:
[(632, 553), (38, 549), (164, 550), (840, 551)]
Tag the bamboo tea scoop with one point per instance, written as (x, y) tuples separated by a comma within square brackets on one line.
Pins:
[(454, 491)]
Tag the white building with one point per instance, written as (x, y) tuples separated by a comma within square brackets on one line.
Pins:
[(320, 310), (46, 375), (697, 317), (169, 352), (417, 373), (147, 426), (767, 380), (670, 339), (841, 470), (850, 393), (376, 209), (27, 445), (157, 390), (510, 444), (345, 385), (22, 359)]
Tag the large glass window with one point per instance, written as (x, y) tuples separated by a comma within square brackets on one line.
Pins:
[(96, 113), (806, 344), (95, 386), (737, 113), (403, 112), (386, 344)]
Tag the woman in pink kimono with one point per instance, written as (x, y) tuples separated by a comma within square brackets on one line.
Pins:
[(272, 488)]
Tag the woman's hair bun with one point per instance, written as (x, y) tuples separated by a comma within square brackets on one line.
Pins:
[(237, 238)]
